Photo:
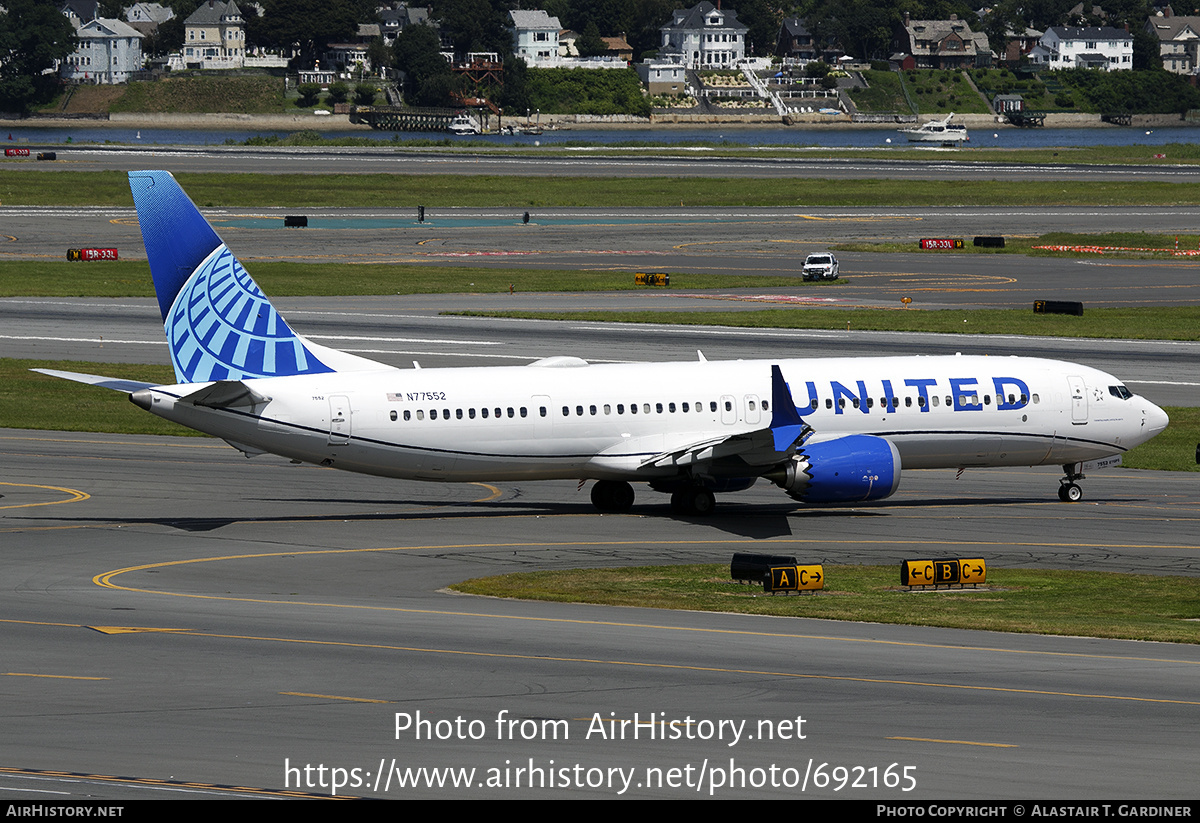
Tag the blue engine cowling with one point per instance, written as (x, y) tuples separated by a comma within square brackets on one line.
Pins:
[(850, 469)]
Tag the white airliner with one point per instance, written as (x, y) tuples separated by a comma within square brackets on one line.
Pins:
[(825, 430)]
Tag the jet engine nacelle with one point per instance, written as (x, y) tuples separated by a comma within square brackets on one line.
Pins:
[(850, 469)]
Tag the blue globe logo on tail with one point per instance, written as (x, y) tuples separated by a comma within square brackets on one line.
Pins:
[(222, 327)]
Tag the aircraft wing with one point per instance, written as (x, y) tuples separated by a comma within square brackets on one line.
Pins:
[(763, 447), (114, 383)]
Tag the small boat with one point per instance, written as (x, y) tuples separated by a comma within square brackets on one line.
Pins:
[(941, 132), (465, 124)]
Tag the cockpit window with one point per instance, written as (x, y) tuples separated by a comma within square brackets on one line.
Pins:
[(1120, 391)]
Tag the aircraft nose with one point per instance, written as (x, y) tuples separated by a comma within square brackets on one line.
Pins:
[(1155, 419)]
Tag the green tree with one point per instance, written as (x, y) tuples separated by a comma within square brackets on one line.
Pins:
[(308, 94), (1147, 53), (473, 25), (418, 52), (380, 56), (307, 25), (338, 92), (34, 36), (589, 43), (364, 94)]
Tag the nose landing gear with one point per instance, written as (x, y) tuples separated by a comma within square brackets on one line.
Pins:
[(1068, 490)]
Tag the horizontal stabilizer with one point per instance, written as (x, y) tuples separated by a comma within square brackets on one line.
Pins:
[(225, 394), (114, 383)]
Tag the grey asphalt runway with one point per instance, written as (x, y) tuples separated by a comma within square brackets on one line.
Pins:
[(175, 612), (585, 162)]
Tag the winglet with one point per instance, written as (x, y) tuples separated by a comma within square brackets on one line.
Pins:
[(786, 424)]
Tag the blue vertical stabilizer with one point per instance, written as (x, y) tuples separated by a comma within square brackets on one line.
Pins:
[(176, 235), (219, 324)]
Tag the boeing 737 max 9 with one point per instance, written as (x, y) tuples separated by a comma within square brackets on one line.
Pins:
[(825, 430)]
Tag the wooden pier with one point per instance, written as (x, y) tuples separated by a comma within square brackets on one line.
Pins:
[(397, 118)]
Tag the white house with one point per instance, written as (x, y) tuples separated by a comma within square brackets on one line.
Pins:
[(704, 37), (215, 36), (1094, 47), (148, 13), (662, 77), (535, 36), (108, 52), (1178, 41)]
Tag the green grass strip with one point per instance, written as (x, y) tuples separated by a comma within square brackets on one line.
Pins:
[(1136, 323), (37, 401), (364, 191), (1085, 604), (131, 278)]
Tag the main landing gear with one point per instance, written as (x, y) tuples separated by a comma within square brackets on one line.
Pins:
[(1068, 490), (612, 496), (694, 500), (616, 496)]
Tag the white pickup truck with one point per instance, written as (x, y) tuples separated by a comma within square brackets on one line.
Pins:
[(822, 266)]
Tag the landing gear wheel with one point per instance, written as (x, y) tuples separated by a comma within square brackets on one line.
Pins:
[(1068, 490), (693, 500), (1070, 493), (612, 496), (701, 501)]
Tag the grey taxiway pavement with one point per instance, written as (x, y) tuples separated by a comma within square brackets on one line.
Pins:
[(175, 614), (183, 622), (808, 162)]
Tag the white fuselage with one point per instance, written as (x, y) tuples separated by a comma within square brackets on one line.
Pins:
[(567, 419)]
